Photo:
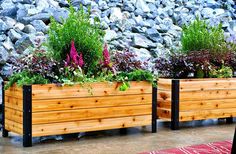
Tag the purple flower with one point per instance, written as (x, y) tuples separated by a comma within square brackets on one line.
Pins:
[(106, 56)]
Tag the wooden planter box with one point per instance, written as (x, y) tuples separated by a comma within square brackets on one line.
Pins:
[(196, 99), (42, 110)]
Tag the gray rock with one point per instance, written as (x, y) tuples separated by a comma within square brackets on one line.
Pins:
[(141, 41), (110, 35), (45, 17), (14, 36), (167, 41), (23, 43), (207, 13), (29, 29), (128, 6), (8, 45), (7, 70), (39, 25), (9, 22), (60, 14), (153, 35), (3, 26), (3, 37), (142, 5), (116, 14), (19, 26), (4, 55), (10, 12), (143, 54)]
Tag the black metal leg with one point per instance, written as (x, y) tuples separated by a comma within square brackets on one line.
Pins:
[(4, 131), (123, 131), (175, 105), (154, 109), (229, 120), (27, 116)]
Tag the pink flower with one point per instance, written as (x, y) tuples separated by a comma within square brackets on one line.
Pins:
[(73, 59), (81, 61), (73, 53), (106, 56)]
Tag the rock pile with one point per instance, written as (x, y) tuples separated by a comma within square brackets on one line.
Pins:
[(147, 27)]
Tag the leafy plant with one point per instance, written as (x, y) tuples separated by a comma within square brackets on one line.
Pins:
[(199, 35), (127, 61), (87, 38), (223, 72)]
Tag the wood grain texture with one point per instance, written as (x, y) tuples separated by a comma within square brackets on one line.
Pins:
[(13, 126), (14, 103), (51, 91), (90, 102), (90, 125), (207, 114), (87, 114), (14, 115)]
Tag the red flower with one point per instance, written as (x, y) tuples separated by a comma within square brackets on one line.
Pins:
[(106, 56)]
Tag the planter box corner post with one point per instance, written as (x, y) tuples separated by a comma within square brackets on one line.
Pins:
[(154, 108), (4, 131), (27, 115), (175, 105)]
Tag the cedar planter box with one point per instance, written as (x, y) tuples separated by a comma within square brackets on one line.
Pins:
[(196, 99), (42, 110)]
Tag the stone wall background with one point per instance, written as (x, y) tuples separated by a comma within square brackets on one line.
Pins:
[(149, 28)]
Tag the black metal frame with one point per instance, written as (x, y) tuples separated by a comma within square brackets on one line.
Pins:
[(4, 131), (154, 108), (27, 115), (229, 120), (175, 105)]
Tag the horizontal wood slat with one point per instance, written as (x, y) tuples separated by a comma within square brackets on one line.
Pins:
[(164, 84), (93, 113), (51, 91), (14, 103), (90, 125), (207, 95), (90, 102), (207, 114), (14, 115), (203, 85), (13, 126)]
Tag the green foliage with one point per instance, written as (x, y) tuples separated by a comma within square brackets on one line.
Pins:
[(88, 38), (199, 35), (25, 78), (223, 72)]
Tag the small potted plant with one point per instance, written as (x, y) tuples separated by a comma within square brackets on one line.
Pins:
[(196, 83), (72, 85)]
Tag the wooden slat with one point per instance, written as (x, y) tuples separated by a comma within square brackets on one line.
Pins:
[(207, 95), (164, 84), (163, 95), (207, 114), (90, 102), (90, 125), (93, 113), (206, 104), (13, 115), (163, 113), (14, 103), (15, 92), (51, 91), (13, 126), (203, 85)]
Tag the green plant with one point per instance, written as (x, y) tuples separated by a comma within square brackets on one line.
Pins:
[(26, 78), (87, 37), (199, 35), (223, 72)]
